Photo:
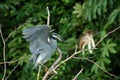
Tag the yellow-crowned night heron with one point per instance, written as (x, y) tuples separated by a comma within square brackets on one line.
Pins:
[(43, 43)]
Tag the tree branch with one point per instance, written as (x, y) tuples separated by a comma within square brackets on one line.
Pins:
[(12, 61), (97, 66), (4, 51), (48, 18), (12, 33), (4, 47), (11, 71), (75, 53), (100, 67), (75, 78), (107, 35)]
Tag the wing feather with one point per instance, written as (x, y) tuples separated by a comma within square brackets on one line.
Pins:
[(33, 33), (38, 38), (39, 47)]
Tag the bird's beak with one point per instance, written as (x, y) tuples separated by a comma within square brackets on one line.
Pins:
[(60, 39)]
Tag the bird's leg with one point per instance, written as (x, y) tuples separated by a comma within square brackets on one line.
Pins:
[(32, 57), (38, 73), (46, 68)]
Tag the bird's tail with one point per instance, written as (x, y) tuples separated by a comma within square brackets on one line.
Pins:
[(33, 60)]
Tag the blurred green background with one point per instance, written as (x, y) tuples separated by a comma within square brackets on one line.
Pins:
[(69, 18)]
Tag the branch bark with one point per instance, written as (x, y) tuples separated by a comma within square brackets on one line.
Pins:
[(70, 57), (11, 71), (75, 78), (12, 61), (48, 18), (97, 66), (4, 47), (107, 35)]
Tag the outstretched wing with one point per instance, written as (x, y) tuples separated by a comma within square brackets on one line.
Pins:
[(38, 38), (35, 32), (39, 47)]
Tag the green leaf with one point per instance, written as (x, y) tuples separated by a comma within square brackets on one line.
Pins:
[(112, 17), (104, 5), (99, 8), (112, 44), (103, 33), (102, 64), (77, 9), (108, 48), (94, 69), (105, 52), (112, 50), (107, 60)]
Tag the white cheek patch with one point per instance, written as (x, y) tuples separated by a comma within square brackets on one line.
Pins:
[(49, 41)]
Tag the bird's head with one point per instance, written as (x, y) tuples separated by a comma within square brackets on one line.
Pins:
[(56, 37)]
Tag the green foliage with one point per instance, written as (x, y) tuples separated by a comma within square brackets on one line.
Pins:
[(70, 19), (107, 48), (112, 17), (91, 9)]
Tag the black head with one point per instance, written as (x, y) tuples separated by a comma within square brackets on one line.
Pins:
[(56, 37)]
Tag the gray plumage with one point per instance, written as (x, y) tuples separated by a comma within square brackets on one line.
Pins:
[(42, 43)]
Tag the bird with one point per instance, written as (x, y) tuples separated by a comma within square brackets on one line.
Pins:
[(43, 43)]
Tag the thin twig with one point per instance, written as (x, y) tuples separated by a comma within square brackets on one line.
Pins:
[(54, 64), (11, 72), (38, 75), (12, 33), (4, 46), (51, 77), (4, 51), (75, 53), (48, 18), (12, 61), (107, 35), (97, 66), (75, 78), (100, 67)]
